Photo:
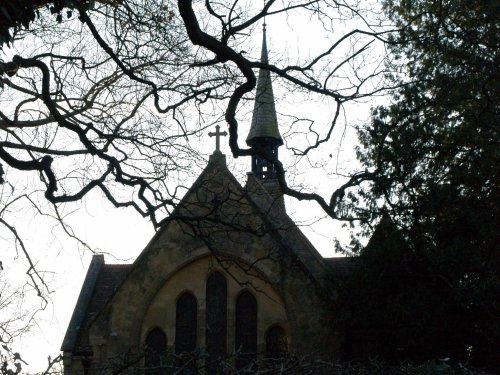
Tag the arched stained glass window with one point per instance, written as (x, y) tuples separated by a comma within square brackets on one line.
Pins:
[(154, 348), (185, 323), (276, 343), (216, 320), (246, 330)]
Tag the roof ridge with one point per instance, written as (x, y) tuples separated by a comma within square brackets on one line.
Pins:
[(289, 233), (117, 265), (82, 303)]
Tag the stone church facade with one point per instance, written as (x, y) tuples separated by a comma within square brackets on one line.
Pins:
[(229, 277)]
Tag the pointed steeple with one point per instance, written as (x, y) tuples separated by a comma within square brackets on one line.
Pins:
[(264, 136), (264, 120)]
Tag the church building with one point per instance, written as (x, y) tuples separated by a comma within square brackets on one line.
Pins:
[(228, 282)]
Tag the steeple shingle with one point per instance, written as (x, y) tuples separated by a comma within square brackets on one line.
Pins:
[(264, 120)]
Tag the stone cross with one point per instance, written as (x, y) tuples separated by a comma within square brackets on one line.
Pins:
[(217, 136)]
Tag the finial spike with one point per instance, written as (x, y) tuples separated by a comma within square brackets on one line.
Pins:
[(264, 57)]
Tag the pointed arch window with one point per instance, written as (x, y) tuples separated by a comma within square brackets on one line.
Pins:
[(246, 330), (276, 343), (185, 323), (155, 348), (216, 320)]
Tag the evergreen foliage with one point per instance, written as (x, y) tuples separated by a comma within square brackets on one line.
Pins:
[(435, 153)]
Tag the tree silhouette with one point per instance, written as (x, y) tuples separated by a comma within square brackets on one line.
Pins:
[(108, 96), (435, 155)]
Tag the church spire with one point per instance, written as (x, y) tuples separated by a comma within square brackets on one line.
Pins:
[(264, 134)]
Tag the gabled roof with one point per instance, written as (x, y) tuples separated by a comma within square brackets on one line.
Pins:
[(387, 240), (264, 119), (99, 285), (103, 280), (290, 235)]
